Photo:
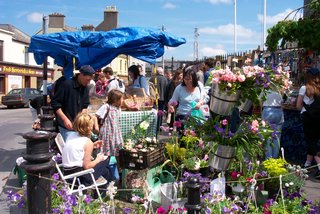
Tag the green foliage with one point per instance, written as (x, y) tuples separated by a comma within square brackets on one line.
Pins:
[(305, 31)]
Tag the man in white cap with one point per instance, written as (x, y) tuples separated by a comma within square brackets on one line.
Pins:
[(70, 98)]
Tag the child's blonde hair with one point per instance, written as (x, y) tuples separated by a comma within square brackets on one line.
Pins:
[(83, 124)]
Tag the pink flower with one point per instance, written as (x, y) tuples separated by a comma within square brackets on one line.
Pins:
[(224, 122), (173, 103), (241, 78), (255, 126), (206, 157), (201, 144), (165, 129), (160, 113), (161, 210), (177, 124)]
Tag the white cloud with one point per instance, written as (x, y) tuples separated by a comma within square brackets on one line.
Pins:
[(228, 30), (209, 52), (220, 1), (271, 20), (35, 17), (169, 5)]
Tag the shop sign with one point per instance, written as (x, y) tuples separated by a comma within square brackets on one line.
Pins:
[(21, 70)]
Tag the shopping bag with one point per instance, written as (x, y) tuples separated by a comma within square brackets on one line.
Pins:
[(218, 185), (205, 110)]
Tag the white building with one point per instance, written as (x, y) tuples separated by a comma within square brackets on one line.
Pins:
[(17, 66)]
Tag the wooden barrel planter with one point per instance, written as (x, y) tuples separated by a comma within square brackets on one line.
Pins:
[(222, 157), (222, 102)]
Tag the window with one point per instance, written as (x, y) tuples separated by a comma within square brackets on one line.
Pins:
[(26, 55), (1, 50), (2, 84), (39, 82), (27, 82)]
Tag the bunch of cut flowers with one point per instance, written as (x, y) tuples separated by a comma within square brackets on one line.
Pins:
[(139, 139)]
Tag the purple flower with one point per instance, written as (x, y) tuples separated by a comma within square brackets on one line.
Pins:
[(226, 210), (87, 199), (22, 204), (72, 200), (160, 113), (67, 210), (263, 173), (55, 176), (126, 210), (53, 187), (207, 211), (234, 207), (55, 210)]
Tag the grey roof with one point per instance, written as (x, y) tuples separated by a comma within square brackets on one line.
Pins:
[(18, 35), (57, 30)]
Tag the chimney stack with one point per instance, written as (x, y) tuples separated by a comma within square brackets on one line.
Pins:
[(110, 20), (87, 28), (56, 20)]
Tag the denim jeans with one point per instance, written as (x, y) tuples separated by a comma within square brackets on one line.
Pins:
[(64, 132), (274, 116)]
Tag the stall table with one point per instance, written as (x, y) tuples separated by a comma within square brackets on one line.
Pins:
[(292, 136), (131, 119)]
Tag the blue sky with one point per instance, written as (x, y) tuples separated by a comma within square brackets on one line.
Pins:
[(213, 18)]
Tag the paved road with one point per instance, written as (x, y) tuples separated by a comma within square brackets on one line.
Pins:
[(13, 123)]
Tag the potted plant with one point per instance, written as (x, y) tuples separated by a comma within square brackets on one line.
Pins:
[(225, 90), (247, 141)]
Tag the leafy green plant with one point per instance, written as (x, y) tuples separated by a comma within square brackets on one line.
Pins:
[(305, 31)]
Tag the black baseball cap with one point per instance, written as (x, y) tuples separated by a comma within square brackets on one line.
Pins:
[(87, 70)]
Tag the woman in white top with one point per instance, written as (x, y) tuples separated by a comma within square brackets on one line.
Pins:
[(77, 151), (309, 96)]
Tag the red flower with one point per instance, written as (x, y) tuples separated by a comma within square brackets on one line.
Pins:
[(177, 124)]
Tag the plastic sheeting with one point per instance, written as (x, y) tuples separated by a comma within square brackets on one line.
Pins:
[(97, 48)]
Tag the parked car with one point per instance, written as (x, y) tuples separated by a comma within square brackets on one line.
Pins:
[(20, 97)]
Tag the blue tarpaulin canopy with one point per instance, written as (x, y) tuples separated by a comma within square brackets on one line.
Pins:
[(97, 48)]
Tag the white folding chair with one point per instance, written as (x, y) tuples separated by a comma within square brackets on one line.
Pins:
[(74, 176)]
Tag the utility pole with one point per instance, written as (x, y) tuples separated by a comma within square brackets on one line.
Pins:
[(264, 31), (235, 26), (163, 29), (45, 20), (196, 45)]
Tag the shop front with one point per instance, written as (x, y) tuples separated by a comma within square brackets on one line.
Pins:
[(21, 76)]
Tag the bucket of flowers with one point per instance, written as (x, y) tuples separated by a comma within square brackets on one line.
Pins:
[(225, 90), (246, 143)]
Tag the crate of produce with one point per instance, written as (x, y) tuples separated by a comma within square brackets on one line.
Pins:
[(141, 159)]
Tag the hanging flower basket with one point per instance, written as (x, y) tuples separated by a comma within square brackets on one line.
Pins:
[(222, 102), (222, 157)]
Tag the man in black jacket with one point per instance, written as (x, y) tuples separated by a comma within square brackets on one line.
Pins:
[(71, 98)]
